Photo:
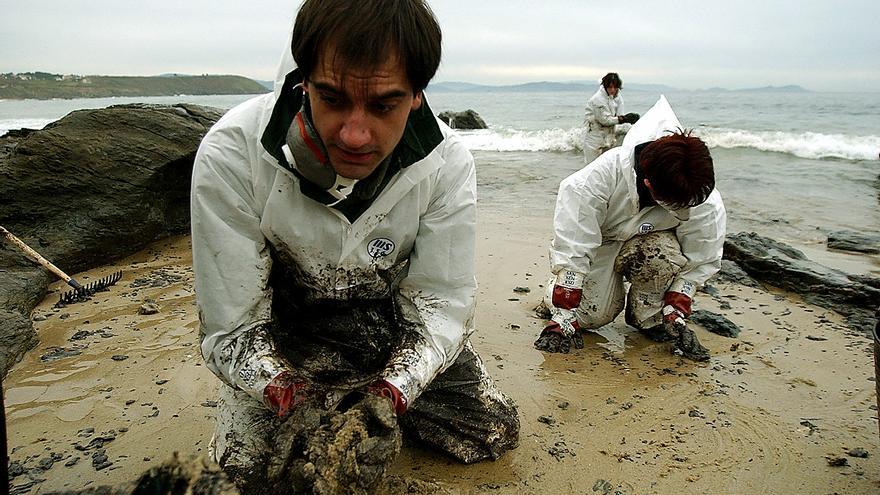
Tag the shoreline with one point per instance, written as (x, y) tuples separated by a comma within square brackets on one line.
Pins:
[(765, 415)]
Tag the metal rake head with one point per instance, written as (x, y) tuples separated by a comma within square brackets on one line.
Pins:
[(85, 292)]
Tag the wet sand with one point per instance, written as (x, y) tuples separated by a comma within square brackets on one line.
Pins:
[(768, 414)]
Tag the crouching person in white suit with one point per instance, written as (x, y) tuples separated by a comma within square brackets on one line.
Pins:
[(646, 213)]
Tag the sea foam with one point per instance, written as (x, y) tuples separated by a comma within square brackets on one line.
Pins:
[(805, 144), (801, 144), (7, 125)]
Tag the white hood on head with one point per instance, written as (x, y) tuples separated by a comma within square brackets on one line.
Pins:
[(657, 122), (286, 65)]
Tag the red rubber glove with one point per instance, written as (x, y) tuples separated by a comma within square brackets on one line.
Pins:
[(568, 290), (383, 388), (284, 393), (554, 327), (676, 305)]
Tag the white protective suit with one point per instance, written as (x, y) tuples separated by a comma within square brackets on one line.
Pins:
[(413, 244), (600, 119), (598, 210)]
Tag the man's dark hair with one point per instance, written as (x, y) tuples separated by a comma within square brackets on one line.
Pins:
[(679, 168), (363, 33), (612, 78)]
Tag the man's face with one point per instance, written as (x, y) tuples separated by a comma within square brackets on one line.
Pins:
[(612, 90), (360, 117)]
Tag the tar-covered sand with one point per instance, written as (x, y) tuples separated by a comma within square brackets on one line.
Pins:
[(787, 407)]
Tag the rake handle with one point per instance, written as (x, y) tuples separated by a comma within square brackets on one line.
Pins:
[(39, 259)]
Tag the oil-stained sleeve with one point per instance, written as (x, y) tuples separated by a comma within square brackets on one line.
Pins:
[(438, 295), (231, 263)]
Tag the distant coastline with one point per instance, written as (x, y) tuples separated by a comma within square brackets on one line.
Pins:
[(44, 86), (544, 86)]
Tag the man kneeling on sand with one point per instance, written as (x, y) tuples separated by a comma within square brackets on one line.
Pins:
[(333, 244), (646, 213)]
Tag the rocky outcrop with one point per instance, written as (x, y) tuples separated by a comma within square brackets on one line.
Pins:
[(859, 242), (17, 336), (89, 189), (715, 323), (468, 119), (732, 273), (774, 263)]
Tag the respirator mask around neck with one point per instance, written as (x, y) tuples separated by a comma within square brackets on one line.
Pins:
[(306, 153)]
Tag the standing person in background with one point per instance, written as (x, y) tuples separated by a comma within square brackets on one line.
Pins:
[(333, 237), (604, 111)]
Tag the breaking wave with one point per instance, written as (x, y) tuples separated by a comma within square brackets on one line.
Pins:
[(801, 144), (8, 125), (812, 145), (558, 140)]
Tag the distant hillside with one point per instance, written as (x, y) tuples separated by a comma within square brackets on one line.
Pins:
[(41, 86), (584, 87), (791, 88), (534, 87)]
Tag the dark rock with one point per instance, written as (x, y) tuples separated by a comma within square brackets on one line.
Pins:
[(56, 353), (468, 119), (732, 273), (80, 335), (858, 452), (96, 443), (148, 308), (715, 323), (711, 290), (860, 242), (100, 460), (16, 468), (780, 265), (548, 420), (696, 413), (87, 190), (17, 336)]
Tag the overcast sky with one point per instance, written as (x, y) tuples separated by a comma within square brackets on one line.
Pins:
[(821, 45)]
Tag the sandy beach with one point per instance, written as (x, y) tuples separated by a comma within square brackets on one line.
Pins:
[(770, 413)]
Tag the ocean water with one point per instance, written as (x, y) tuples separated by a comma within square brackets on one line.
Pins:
[(791, 166)]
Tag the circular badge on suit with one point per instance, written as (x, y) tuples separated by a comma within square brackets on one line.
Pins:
[(380, 247)]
